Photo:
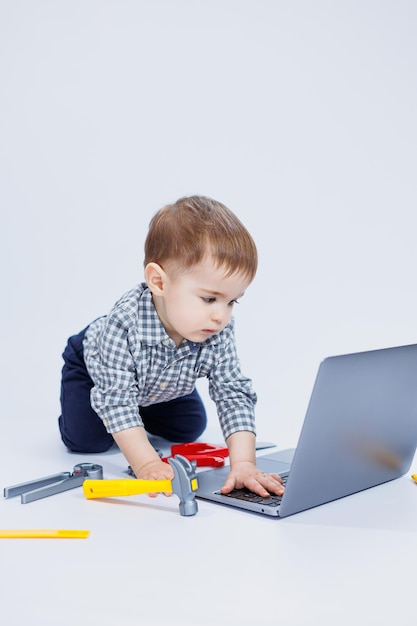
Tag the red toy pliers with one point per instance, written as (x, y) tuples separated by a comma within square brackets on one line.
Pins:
[(204, 454)]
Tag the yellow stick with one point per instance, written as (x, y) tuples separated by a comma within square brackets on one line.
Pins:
[(44, 533), (124, 487)]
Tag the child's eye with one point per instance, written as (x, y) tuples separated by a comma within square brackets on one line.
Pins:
[(232, 302), (208, 299)]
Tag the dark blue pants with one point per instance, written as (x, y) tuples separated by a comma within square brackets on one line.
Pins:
[(179, 420)]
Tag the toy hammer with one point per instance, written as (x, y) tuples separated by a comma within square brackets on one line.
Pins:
[(184, 485)]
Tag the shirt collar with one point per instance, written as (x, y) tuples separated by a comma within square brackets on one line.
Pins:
[(151, 330)]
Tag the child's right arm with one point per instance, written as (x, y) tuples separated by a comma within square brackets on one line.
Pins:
[(141, 456)]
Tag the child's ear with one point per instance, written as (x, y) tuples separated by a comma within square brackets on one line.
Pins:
[(155, 278)]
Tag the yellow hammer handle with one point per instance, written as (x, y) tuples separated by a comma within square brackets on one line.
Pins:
[(124, 487), (414, 477)]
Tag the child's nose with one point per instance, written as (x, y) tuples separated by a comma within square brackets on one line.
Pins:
[(219, 315)]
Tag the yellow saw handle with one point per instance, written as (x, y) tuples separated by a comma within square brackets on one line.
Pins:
[(124, 487)]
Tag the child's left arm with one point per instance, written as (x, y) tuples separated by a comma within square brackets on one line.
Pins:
[(243, 470)]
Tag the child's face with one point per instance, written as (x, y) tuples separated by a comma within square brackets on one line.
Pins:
[(198, 303)]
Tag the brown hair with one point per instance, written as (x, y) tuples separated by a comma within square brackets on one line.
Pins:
[(182, 233)]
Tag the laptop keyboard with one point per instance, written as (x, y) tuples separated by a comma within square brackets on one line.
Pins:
[(249, 496)]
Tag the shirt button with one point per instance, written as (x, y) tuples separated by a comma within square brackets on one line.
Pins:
[(152, 398), (167, 342), (163, 385)]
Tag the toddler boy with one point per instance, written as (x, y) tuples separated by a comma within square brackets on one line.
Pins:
[(134, 371)]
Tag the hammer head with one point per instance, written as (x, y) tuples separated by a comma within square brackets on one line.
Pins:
[(184, 483)]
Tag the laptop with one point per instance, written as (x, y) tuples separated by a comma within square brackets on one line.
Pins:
[(360, 430)]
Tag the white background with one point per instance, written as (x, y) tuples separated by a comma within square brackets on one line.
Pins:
[(300, 115)]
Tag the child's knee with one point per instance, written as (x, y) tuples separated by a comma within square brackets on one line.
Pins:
[(85, 441)]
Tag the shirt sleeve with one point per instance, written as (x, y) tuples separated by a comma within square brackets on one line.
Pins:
[(231, 391), (109, 360)]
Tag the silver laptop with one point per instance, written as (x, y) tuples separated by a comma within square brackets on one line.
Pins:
[(360, 430)]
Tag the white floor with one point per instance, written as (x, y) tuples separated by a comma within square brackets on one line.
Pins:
[(347, 562)]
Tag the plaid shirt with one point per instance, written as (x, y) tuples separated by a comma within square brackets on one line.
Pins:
[(133, 362)]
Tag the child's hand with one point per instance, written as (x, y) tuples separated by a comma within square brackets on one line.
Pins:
[(155, 470), (246, 474)]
